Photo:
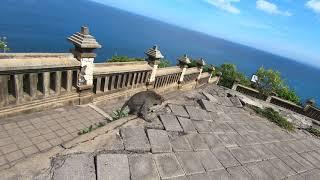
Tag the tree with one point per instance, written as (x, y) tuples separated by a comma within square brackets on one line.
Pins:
[(270, 81), (3, 44), (230, 74)]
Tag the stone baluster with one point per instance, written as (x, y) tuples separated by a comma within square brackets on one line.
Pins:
[(69, 81), (33, 83), (58, 82), (124, 79), (46, 84), (98, 85), (4, 90), (106, 84), (18, 87), (134, 79), (113, 81), (183, 63)]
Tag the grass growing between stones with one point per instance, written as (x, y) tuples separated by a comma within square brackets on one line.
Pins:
[(118, 114), (91, 128), (275, 117), (314, 131)]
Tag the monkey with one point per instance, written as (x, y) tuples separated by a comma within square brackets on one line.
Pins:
[(140, 103)]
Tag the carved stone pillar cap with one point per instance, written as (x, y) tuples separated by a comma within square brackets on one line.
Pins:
[(154, 53), (184, 60), (201, 62), (84, 40), (311, 102)]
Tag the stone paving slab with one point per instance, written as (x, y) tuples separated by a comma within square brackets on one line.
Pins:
[(225, 157), (202, 176), (209, 106), (190, 163), (135, 139), (112, 167), (209, 161), (187, 125), (220, 175), (202, 126), (212, 141), (283, 167), (114, 143), (79, 167), (257, 172), (179, 143), (296, 166), (198, 114), (159, 141), (171, 123), (239, 172), (236, 102), (272, 171), (168, 166), (178, 110), (311, 175), (143, 167), (196, 142), (228, 139)]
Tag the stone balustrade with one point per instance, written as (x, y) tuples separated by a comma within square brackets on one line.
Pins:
[(191, 75), (204, 78), (33, 78), (167, 76), (308, 110), (114, 77)]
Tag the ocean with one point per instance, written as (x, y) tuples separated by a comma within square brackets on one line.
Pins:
[(43, 25)]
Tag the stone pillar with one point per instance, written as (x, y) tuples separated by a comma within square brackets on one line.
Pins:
[(85, 44), (183, 63), (18, 87), (98, 85), (106, 84), (269, 99), (4, 90), (69, 81), (235, 84), (154, 56), (46, 84), (33, 85), (58, 82), (200, 64)]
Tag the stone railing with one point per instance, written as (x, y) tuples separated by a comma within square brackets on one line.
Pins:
[(308, 110), (191, 75), (249, 91), (109, 78), (167, 76), (204, 78), (30, 80), (312, 112), (285, 104)]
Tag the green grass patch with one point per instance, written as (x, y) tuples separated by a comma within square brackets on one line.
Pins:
[(118, 114), (314, 131), (275, 117), (91, 128)]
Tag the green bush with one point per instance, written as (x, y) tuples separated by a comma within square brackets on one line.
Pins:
[(118, 114), (275, 117), (164, 63), (124, 59), (230, 74), (91, 128), (314, 131), (3, 44)]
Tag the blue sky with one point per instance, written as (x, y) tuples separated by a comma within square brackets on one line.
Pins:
[(286, 27)]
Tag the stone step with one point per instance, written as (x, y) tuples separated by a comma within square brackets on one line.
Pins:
[(135, 139)]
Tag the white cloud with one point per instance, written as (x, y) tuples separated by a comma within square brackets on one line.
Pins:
[(271, 8), (314, 5), (226, 5)]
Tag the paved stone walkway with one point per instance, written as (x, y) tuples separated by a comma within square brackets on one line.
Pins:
[(203, 136), (23, 136)]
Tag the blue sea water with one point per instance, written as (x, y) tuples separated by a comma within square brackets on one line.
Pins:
[(43, 25)]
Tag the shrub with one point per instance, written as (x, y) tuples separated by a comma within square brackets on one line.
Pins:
[(275, 117), (230, 74), (314, 131), (164, 63), (124, 59), (91, 128)]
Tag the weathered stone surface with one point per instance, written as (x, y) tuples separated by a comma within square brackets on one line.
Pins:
[(79, 166), (297, 167), (198, 114), (202, 176), (257, 172), (311, 175), (114, 143), (236, 102), (306, 164), (159, 141), (275, 150), (225, 157), (242, 155), (210, 97), (272, 171), (202, 126), (228, 139), (178, 110), (209, 161), (239, 173), (171, 123), (135, 139), (220, 175), (179, 142), (112, 167), (209, 106), (187, 125), (298, 146), (283, 167), (196, 142), (212, 140), (168, 166), (283, 146), (190, 163), (142, 167), (263, 152)]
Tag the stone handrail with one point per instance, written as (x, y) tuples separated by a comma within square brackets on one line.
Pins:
[(167, 76), (286, 104), (249, 91), (36, 77), (120, 76), (191, 75), (312, 112), (204, 78)]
